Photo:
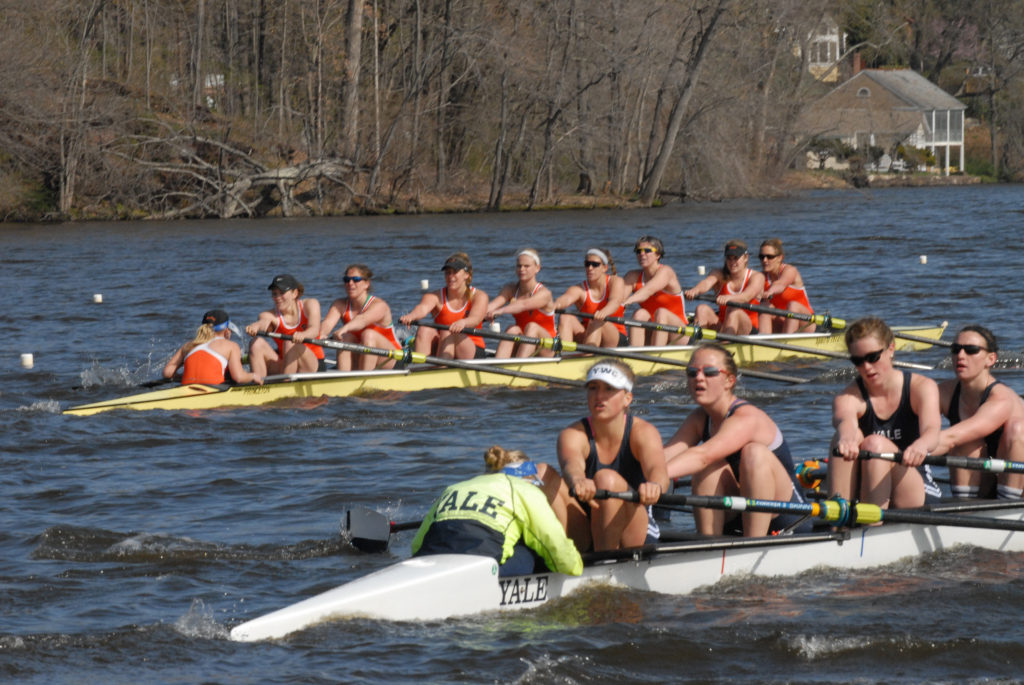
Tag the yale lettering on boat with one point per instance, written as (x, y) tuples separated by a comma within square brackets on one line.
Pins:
[(523, 590)]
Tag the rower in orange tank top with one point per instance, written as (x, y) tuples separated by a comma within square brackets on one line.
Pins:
[(529, 303), (459, 306), (365, 319), (734, 282), (293, 316), (655, 287), (610, 292), (783, 289), (206, 357)]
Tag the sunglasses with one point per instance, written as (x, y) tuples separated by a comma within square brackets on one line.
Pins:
[(764, 256), (972, 350), (871, 357), (592, 265), (353, 279), (644, 250), (708, 371)]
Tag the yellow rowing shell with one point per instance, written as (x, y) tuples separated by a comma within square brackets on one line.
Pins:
[(344, 383)]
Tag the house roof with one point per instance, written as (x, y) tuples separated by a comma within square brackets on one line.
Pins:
[(895, 105), (908, 85)]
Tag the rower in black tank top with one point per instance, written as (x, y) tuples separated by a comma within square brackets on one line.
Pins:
[(625, 464), (953, 414), (902, 428)]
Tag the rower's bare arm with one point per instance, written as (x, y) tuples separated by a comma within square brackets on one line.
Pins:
[(645, 442), (376, 313), (924, 400), (428, 303), (312, 309), (539, 300), (572, 462), (499, 301), (265, 322), (677, 457), (172, 365), (331, 320), (616, 295), (846, 409), (755, 286), (477, 310), (786, 278), (238, 372), (574, 295), (704, 285), (991, 416)]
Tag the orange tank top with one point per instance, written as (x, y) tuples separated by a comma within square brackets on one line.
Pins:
[(204, 365), (387, 331), (545, 320), (447, 316), (590, 306), (284, 329), (726, 289), (661, 300), (790, 294)]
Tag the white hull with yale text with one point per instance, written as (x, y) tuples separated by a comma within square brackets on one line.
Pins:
[(444, 586)]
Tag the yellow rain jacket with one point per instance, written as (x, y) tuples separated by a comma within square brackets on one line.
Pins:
[(514, 509)]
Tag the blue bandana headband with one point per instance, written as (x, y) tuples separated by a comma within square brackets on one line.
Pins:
[(522, 470)]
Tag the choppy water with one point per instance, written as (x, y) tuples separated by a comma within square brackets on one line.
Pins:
[(132, 541)]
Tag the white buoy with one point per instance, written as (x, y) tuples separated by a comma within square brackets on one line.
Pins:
[(496, 327), (27, 361), (923, 258), (701, 270), (424, 284), (97, 298)]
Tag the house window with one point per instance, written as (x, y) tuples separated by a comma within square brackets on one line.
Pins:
[(863, 93)]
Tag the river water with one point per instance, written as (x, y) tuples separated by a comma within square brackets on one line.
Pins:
[(133, 541)]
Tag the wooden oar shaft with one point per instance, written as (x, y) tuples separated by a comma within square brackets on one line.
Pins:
[(559, 345), (838, 511), (415, 357), (970, 463)]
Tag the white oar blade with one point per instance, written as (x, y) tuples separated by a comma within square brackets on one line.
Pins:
[(419, 589)]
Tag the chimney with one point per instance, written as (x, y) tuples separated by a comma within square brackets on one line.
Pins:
[(857, 64)]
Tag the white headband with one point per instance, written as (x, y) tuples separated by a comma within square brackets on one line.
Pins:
[(610, 374), (594, 252), (529, 253)]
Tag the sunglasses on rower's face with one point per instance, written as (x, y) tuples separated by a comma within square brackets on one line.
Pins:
[(353, 279), (871, 357), (763, 256), (592, 265), (708, 371), (972, 350), (644, 250)]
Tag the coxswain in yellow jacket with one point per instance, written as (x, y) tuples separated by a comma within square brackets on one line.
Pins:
[(502, 515)]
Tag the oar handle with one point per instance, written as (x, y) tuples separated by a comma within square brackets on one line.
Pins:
[(970, 463)]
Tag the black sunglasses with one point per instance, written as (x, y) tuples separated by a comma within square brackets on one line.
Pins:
[(353, 279), (593, 265), (869, 357), (764, 256), (709, 371), (972, 350)]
